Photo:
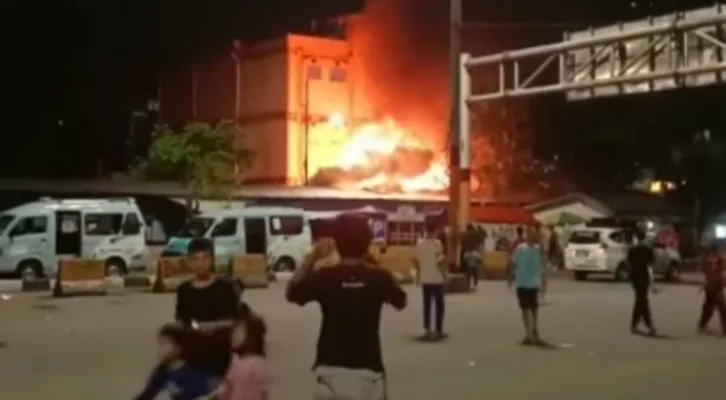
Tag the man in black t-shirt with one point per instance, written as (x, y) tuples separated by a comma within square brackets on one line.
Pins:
[(640, 261), (348, 362), (207, 306)]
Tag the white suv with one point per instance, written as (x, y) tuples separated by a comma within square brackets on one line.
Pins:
[(597, 251)]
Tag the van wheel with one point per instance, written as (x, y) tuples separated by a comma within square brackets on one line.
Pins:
[(115, 266), (284, 264), (580, 275), (622, 273), (673, 273), (29, 270)]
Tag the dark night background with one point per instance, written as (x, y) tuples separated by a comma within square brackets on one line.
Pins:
[(73, 71)]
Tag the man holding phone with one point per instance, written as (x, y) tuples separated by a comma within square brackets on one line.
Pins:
[(348, 361)]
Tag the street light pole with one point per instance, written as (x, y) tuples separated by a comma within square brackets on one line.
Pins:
[(454, 127)]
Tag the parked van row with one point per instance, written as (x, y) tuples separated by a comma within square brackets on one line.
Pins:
[(34, 236), (281, 233)]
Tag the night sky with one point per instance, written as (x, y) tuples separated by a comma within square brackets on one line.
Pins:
[(74, 69)]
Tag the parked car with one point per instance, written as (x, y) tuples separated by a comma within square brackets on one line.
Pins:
[(604, 251), (601, 251)]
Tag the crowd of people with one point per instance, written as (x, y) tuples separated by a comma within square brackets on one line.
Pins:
[(215, 349)]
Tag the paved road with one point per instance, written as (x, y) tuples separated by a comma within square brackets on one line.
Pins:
[(102, 348)]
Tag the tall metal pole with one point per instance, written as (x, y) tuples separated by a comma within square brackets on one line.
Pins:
[(306, 129), (454, 128)]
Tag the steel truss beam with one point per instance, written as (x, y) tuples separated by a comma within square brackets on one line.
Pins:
[(681, 50), (685, 51)]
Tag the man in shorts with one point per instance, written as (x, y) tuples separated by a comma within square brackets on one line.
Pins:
[(528, 277)]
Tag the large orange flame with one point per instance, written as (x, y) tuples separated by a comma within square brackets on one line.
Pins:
[(381, 156)]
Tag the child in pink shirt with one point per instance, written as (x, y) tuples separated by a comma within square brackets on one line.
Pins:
[(248, 376)]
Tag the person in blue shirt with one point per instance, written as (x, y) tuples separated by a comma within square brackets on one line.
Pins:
[(173, 376), (528, 276)]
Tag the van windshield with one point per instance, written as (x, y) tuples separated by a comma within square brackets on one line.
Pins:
[(286, 225), (585, 237), (195, 227), (5, 220)]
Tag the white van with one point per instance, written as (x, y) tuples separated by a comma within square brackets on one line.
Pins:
[(34, 235), (281, 233)]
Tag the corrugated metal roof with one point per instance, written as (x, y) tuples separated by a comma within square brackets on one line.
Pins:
[(116, 188), (627, 203)]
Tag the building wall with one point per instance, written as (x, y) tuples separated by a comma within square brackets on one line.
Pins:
[(275, 101), (320, 84), (215, 87), (175, 104)]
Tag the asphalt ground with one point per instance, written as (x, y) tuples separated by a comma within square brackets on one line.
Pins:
[(91, 348)]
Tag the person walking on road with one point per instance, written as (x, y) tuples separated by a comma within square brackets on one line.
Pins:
[(472, 256), (348, 362), (431, 276), (640, 260), (713, 289), (528, 275), (554, 250)]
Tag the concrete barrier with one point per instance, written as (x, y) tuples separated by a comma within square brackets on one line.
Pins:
[(138, 281), (251, 269), (495, 266), (457, 284), (43, 284), (78, 276), (399, 260), (170, 273)]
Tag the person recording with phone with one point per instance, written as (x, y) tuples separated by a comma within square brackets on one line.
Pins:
[(348, 362)]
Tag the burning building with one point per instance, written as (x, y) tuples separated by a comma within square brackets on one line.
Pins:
[(297, 100)]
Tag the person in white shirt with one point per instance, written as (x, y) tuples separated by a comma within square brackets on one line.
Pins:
[(431, 275)]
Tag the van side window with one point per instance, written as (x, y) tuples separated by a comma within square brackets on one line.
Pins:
[(102, 224), (617, 237), (228, 227), (30, 226), (286, 225), (132, 225)]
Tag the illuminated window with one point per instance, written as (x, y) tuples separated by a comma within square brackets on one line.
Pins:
[(404, 233), (338, 74), (315, 72)]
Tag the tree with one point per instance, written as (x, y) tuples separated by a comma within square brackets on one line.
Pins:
[(698, 166), (204, 159)]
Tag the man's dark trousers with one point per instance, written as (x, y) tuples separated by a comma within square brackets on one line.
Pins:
[(433, 298), (641, 306)]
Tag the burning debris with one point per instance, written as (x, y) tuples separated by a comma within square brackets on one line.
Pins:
[(381, 157)]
